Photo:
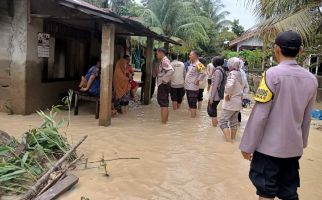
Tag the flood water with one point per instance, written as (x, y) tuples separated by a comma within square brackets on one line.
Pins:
[(184, 160)]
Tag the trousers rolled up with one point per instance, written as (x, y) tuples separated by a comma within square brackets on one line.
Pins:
[(229, 119)]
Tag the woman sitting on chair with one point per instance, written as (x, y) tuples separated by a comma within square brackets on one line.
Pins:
[(91, 82)]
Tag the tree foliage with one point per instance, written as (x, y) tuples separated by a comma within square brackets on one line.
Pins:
[(214, 10), (254, 58), (304, 16), (178, 19), (198, 24), (237, 28)]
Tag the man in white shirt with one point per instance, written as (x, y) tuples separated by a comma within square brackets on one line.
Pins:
[(177, 82), (210, 71)]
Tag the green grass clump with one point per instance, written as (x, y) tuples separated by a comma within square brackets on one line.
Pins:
[(22, 163)]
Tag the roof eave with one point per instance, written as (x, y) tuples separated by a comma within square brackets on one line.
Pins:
[(136, 26), (90, 11)]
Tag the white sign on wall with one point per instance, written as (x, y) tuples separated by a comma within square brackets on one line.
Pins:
[(43, 45)]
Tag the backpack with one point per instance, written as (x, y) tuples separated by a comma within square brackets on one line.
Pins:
[(221, 88)]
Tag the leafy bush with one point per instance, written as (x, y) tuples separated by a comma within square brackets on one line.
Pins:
[(253, 57)]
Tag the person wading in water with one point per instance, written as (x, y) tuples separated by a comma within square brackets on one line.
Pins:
[(278, 127), (164, 76), (195, 74), (177, 82)]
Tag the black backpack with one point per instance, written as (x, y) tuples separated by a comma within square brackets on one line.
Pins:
[(221, 88)]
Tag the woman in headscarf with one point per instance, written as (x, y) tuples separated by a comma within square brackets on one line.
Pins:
[(122, 84), (218, 81), (232, 103)]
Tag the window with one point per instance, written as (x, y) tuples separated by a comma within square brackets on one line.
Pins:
[(69, 54)]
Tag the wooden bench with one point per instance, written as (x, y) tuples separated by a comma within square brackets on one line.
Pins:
[(86, 97), (83, 96)]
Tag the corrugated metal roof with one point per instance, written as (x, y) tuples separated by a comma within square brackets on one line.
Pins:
[(128, 23), (88, 5), (90, 9), (247, 35)]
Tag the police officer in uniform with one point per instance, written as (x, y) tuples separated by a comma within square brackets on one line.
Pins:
[(278, 128)]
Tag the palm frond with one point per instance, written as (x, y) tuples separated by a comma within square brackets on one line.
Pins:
[(224, 23), (193, 32), (276, 16), (150, 19), (197, 19), (303, 21)]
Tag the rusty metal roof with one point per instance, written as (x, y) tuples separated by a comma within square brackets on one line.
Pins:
[(133, 26)]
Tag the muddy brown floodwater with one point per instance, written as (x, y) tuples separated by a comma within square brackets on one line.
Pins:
[(184, 160)]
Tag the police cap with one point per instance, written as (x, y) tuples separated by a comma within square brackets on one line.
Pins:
[(289, 40)]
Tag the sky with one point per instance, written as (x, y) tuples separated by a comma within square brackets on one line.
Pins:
[(238, 11)]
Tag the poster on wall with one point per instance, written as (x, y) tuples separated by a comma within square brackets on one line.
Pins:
[(43, 45)]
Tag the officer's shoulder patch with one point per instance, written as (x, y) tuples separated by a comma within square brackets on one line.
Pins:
[(263, 93)]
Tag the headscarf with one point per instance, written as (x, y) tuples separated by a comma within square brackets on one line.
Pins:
[(121, 80), (233, 64)]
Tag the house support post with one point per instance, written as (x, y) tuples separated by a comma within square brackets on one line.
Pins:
[(107, 61), (149, 68)]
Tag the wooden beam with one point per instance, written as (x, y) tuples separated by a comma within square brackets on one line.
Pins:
[(59, 188), (34, 190), (148, 69), (107, 61), (131, 34), (45, 16), (28, 11), (167, 46), (11, 8)]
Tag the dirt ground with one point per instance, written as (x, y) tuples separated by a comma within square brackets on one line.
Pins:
[(184, 160)]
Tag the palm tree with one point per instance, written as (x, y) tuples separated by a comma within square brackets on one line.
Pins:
[(178, 19), (119, 6), (213, 9), (304, 16)]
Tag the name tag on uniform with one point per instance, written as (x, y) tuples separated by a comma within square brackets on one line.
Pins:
[(263, 93)]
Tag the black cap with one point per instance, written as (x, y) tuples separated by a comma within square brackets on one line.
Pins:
[(203, 60), (161, 49), (289, 40)]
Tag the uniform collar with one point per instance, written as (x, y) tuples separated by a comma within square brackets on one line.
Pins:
[(164, 58), (289, 62), (195, 63)]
